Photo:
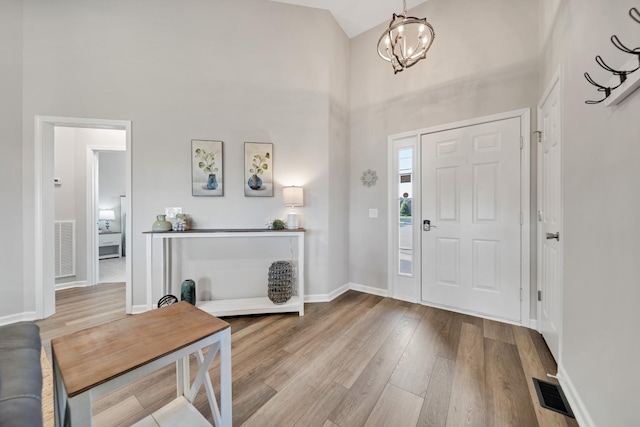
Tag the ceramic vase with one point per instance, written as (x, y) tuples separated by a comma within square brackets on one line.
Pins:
[(161, 224), (255, 182), (188, 291), (212, 182)]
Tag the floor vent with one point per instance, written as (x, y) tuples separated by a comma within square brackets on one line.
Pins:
[(552, 397)]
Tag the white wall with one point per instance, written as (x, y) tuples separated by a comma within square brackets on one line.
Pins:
[(481, 62), (64, 169), (600, 344), (13, 299), (182, 71)]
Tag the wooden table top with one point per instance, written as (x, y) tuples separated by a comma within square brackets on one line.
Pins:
[(95, 355)]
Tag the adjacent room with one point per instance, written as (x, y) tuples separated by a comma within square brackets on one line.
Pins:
[(448, 225)]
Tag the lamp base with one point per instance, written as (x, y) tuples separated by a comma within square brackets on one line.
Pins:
[(292, 221)]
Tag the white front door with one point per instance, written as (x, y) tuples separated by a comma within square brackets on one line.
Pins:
[(549, 219), (471, 197)]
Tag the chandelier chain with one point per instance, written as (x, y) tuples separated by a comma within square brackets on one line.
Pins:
[(404, 7)]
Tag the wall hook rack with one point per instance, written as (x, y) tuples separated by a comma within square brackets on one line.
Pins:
[(621, 84)]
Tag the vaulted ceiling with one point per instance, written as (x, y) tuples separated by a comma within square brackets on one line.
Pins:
[(357, 16)]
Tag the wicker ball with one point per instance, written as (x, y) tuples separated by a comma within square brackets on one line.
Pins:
[(280, 282)]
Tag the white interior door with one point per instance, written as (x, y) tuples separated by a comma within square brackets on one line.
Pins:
[(471, 196), (550, 219)]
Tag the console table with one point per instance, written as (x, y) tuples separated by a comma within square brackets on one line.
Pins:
[(97, 360), (226, 307)]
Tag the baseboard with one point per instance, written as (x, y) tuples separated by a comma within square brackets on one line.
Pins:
[(533, 324), (369, 289), (577, 405), (137, 309), (18, 317), (69, 285), (327, 297), (344, 288)]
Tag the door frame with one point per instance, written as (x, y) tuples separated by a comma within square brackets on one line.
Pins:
[(44, 205), (525, 204), (556, 81)]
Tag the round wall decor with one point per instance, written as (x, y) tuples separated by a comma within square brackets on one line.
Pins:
[(369, 178)]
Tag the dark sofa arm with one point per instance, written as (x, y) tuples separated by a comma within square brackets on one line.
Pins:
[(20, 375)]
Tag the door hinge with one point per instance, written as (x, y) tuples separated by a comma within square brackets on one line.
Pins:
[(521, 294), (521, 218), (539, 295), (521, 142)]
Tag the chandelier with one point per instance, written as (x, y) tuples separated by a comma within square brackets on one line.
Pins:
[(406, 41)]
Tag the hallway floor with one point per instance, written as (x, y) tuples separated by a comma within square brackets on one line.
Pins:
[(112, 270)]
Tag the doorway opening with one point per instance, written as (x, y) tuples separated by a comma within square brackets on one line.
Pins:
[(46, 129)]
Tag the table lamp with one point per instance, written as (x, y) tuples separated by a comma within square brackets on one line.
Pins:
[(292, 196), (106, 215)]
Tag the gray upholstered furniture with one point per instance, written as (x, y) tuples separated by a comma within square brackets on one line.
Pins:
[(20, 375)]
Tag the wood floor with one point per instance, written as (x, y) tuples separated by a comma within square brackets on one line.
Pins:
[(360, 360)]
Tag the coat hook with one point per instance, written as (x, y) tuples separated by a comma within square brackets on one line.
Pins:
[(606, 90), (635, 15), (617, 43), (622, 74)]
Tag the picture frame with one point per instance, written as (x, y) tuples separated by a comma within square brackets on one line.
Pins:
[(207, 168), (258, 169)]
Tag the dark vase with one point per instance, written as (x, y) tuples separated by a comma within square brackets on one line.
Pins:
[(255, 182), (212, 182), (188, 291)]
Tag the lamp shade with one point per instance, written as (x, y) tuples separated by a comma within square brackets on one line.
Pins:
[(292, 196), (107, 214)]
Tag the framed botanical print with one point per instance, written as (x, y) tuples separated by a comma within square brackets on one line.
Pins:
[(207, 177), (258, 169)]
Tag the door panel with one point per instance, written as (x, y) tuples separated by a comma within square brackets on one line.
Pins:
[(471, 196), (549, 217)]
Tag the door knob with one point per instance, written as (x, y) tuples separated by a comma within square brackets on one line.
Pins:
[(426, 225), (553, 236)]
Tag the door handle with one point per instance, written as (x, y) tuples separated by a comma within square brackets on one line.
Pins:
[(553, 236), (426, 225)]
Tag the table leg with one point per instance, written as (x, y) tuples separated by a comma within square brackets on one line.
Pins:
[(149, 271), (79, 408), (225, 378), (59, 395), (183, 376)]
